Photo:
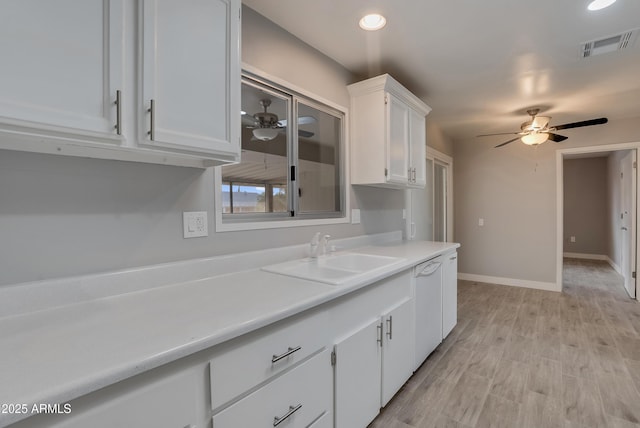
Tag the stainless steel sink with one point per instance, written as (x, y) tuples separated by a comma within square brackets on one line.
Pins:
[(333, 269)]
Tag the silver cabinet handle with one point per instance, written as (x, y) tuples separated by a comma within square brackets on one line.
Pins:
[(453, 257), (118, 104), (414, 175), (152, 127), (409, 174), (379, 326), (624, 228), (292, 409), (390, 327), (290, 351)]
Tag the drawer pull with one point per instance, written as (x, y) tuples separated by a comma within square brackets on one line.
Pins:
[(292, 409), (379, 339), (290, 351), (390, 327)]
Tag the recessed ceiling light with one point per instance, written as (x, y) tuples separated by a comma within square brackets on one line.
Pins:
[(372, 22), (600, 4)]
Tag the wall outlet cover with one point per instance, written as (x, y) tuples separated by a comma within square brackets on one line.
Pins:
[(195, 224)]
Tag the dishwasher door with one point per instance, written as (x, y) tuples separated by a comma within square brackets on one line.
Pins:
[(428, 310)]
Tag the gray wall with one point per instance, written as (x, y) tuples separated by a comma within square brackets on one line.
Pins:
[(514, 189), (64, 216), (586, 205)]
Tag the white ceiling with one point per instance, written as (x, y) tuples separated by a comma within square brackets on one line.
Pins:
[(480, 65)]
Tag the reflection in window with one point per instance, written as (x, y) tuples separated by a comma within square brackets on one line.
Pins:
[(288, 168)]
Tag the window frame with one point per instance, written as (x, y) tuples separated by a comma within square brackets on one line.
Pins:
[(250, 221)]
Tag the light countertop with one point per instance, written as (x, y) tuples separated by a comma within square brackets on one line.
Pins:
[(58, 354)]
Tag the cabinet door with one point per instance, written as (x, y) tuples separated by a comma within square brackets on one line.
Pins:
[(397, 349), (397, 140), (418, 137), (190, 74), (449, 294), (61, 65), (357, 376)]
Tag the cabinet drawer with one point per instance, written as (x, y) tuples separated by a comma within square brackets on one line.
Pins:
[(296, 399), (254, 358)]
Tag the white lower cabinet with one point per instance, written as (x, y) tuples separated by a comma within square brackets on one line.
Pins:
[(358, 376), (375, 359), (449, 293), (247, 361), (155, 399), (298, 398), (397, 348)]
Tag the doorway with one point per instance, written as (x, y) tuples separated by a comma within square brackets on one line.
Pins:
[(430, 210), (597, 214)]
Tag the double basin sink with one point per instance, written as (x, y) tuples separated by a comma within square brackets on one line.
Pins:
[(334, 269)]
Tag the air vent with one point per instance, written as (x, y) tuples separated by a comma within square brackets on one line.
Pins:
[(608, 44)]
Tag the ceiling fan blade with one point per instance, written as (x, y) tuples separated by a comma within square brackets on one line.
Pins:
[(302, 120), (598, 121), (507, 142), (305, 134), (556, 138), (248, 120), (502, 133)]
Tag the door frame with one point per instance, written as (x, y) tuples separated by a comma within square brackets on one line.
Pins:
[(560, 155), (446, 160), (410, 228)]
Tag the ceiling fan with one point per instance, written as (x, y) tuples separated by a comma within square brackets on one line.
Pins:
[(537, 130), (266, 126)]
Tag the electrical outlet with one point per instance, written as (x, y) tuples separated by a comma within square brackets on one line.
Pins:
[(573, 239), (195, 224), (480, 222)]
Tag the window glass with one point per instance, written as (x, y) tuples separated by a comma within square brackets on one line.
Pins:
[(319, 136), (289, 168)]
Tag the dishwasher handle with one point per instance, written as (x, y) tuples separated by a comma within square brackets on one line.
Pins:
[(429, 269)]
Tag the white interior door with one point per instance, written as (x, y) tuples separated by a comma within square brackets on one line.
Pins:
[(628, 221)]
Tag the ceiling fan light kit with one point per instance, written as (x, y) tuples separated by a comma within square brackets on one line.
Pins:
[(265, 134), (537, 130)]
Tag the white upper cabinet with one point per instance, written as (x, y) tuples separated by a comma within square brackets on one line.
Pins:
[(79, 77), (62, 65), (190, 76), (388, 134)]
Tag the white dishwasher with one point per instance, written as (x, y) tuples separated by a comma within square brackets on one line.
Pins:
[(428, 310)]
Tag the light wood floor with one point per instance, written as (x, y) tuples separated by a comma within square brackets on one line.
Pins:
[(522, 358)]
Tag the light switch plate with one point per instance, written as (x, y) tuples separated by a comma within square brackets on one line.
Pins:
[(355, 216), (195, 224)]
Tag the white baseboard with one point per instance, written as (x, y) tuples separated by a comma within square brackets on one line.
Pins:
[(538, 285), (602, 257), (586, 256)]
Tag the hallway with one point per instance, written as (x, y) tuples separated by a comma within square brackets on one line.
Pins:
[(529, 358)]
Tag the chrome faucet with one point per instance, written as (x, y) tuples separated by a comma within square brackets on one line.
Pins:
[(313, 245), (317, 246)]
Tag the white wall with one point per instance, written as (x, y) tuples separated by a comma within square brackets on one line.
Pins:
[(514, 189), (64, 216)]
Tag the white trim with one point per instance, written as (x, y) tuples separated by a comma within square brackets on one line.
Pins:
[(586, 256), (433, 155), (513, 282), (560, 154), (602, 257)]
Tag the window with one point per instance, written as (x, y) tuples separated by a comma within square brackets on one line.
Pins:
[(290, 169)]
